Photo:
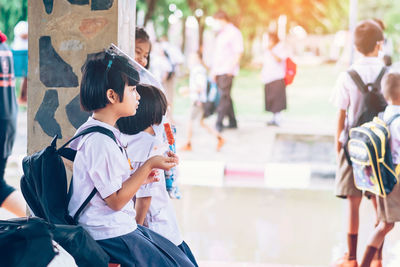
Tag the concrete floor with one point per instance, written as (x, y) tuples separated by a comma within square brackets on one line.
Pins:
[(245, 220)]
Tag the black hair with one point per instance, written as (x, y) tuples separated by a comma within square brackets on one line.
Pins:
[(103, 71), (366, 36), (274, 37), (142, 36), (152, 108), (221, 15)]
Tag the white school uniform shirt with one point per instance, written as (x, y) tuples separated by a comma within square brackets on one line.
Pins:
[(272, 69), (228, 45), (348, 96), (100, 163), (161, 216), (394, 129), (198, 80)]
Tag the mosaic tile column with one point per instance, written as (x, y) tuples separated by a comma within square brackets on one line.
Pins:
[(61, 35)]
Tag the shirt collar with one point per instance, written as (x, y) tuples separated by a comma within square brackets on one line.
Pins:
[(390, 111), (94, 122), (393, 109), (369, 60)]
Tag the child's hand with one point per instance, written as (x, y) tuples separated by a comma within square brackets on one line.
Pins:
[(153, 177), (173, 155), (164, 163)]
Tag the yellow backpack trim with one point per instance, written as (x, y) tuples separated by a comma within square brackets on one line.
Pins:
[(376, 176), (378, 171)]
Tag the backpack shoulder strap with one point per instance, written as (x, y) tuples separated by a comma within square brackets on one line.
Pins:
[(377, 83), (84, 204), (69, 153), (392, 119), (358, 81)]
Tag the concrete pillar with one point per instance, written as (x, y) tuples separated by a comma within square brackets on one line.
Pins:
[(353, 11), (61, 35)]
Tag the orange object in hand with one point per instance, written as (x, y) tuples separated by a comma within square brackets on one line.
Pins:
[(169, 134)]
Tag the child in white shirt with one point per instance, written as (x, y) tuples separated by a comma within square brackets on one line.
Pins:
[(199, 97), (154, 208), (108, 89), (368, 40), (389, 207)]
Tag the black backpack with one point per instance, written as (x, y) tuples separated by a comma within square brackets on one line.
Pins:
[(45, 188), (213, 97), (372, 103), (26, 242)]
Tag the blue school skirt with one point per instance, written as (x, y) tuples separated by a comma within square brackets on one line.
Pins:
[(185, 248), (144, 247)]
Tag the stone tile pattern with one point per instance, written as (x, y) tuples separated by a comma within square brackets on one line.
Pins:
[(62, 34)]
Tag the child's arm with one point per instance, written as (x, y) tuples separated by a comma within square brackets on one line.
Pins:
[(142, 206), (340, 126), (120, 198)]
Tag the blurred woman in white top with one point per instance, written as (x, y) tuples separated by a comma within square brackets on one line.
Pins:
[(273, 74)]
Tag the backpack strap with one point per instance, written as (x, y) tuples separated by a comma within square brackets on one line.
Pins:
[(377, 83), (70, 154), (84, 204), (358, 81), (361, 85), (94, 129), (392, 119)]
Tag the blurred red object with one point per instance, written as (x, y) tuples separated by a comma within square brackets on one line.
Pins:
[(3, 37)]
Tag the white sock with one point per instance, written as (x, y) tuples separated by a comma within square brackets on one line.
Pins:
[(277, 117)]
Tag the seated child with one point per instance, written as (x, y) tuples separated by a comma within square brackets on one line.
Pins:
[(389, 207), (142, 56), (154, 209), (108, 89)]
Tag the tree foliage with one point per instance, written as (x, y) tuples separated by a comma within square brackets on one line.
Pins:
[(11, 13)]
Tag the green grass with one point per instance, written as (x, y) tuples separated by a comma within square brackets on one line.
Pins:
[(308, 97)]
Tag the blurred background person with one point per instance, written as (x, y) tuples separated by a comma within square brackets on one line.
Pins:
[(273, 74), (387, 47), (225, 65), (10, 199), (20, 51), (198, 94), (174, 58)]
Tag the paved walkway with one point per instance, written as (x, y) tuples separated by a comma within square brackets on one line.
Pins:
[(278, 169), (250, 151)]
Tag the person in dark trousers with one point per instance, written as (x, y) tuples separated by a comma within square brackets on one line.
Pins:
[(10, 199), (225, 65)]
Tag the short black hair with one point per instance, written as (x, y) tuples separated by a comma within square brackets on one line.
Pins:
[(142, 36), (152, 108), (391, 86), (366, 36), (101, 72)]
